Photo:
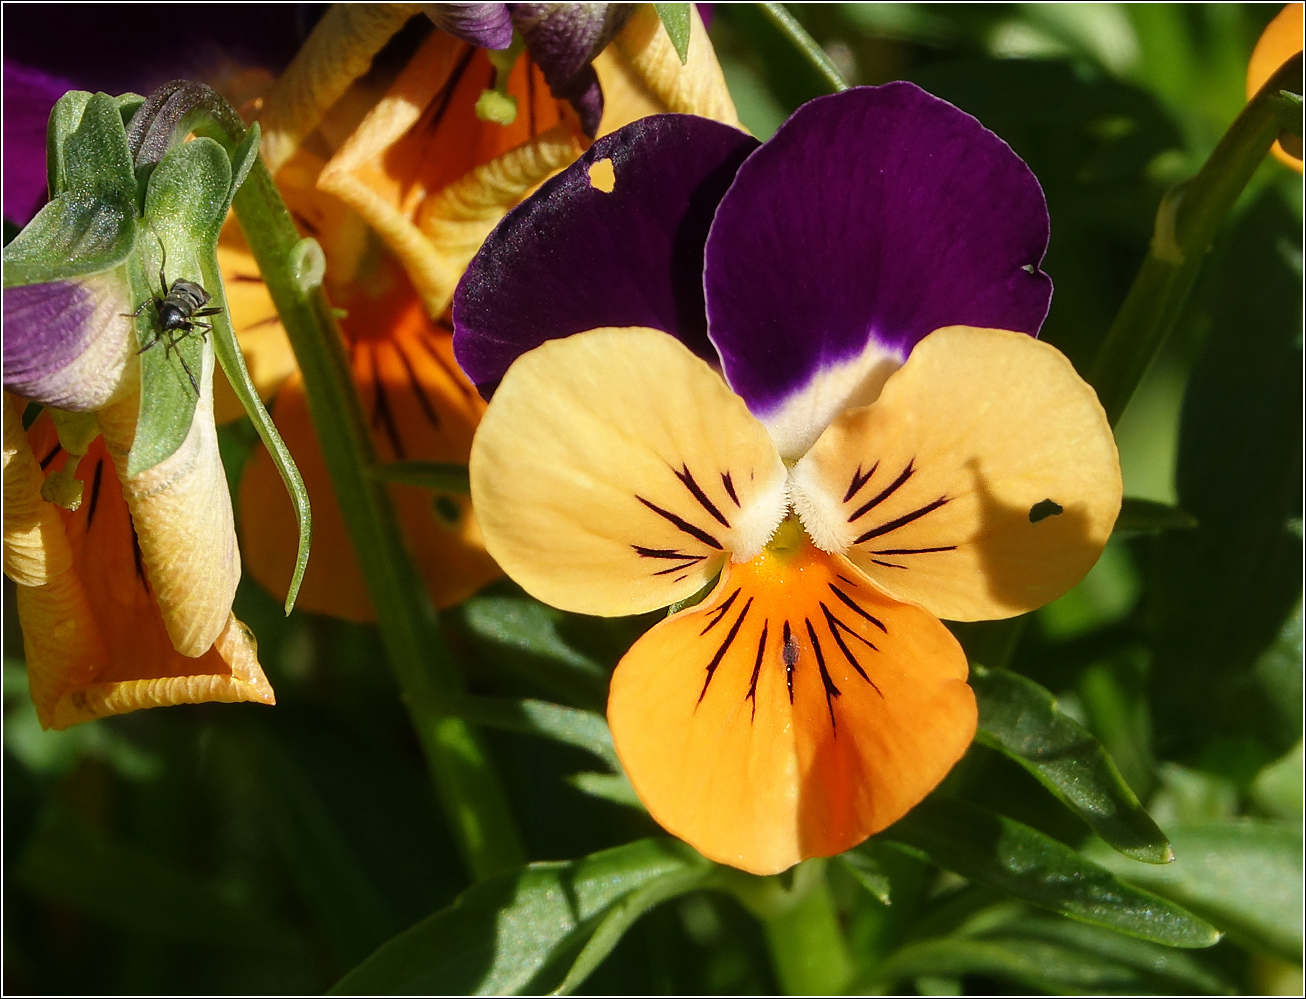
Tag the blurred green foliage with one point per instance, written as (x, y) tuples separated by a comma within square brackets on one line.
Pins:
[(232, 848)]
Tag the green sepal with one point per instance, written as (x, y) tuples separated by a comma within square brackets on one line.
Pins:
[(185, 204), (1021, 720), (90, 224), (1011, 857), (675, 18), (539, 928)]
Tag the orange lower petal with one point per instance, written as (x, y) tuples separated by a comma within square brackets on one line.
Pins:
[(795, 712), (94, 636), (421, 408)]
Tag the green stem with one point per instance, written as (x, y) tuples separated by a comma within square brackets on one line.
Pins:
[(797, 35), (464, 777), (806, 942), (1186, 224)]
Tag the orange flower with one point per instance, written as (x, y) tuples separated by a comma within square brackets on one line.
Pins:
[(401, 190), (1281, 40), (94, 633)]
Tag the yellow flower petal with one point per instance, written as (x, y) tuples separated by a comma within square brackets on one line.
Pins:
[(94, 638), (984, 482), (182, 514), (641, 74), (262, 338), (795, 712), (35, 550), (339, 51), (614, 472), (228, 672), (433, 179)]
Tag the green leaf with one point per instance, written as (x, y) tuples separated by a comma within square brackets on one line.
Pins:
[(866, 870), (69, 862), (1149, 515), (1011, 857), (522, 635), (90, 225), (185, 204), (615, 788), (526, 931), (1220, 594), (1278, 787), (226, 348), (1084, 960), (1244, 876), (586, 730), (1021, 719), (675, 18), (443, 476)]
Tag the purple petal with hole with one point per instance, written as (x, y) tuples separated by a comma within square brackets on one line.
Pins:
[(66, 343), (29, 96), (616, 239), (485, 24), (870, 219), (562, 39)]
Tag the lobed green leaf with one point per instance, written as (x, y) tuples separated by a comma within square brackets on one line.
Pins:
[(1011, 857), (1021, 719)]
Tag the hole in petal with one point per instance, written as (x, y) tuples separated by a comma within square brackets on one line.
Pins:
[(602, 176), (1043, 509)]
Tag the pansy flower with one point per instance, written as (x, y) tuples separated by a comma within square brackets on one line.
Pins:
[(806, 370), (400, 186)]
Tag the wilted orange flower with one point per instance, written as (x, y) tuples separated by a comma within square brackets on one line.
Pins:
[(401, 188)]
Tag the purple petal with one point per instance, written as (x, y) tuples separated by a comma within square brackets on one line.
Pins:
[(562, 39), (66, 343), (115, 49), (574, 257), (485, 24), (29, 96), (870, 219)]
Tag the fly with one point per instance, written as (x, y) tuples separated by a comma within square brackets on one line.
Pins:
[(179, 311)]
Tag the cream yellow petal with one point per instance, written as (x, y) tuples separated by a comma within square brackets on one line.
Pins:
[(181, 510), (339, 50), (641, 74), (62, 643), (233, 674), (614, 473), (982, 483), (35, 549)]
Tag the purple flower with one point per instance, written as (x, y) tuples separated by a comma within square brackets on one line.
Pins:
[(890, 445)]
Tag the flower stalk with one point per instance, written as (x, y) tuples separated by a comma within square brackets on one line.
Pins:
[(1186, 224), (468, 787)]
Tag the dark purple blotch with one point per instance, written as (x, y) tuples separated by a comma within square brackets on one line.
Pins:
[(878, 214), (574, 257)]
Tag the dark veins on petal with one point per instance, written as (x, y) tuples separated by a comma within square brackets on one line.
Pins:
[(789, 654), (860, 479), (879, 214)]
